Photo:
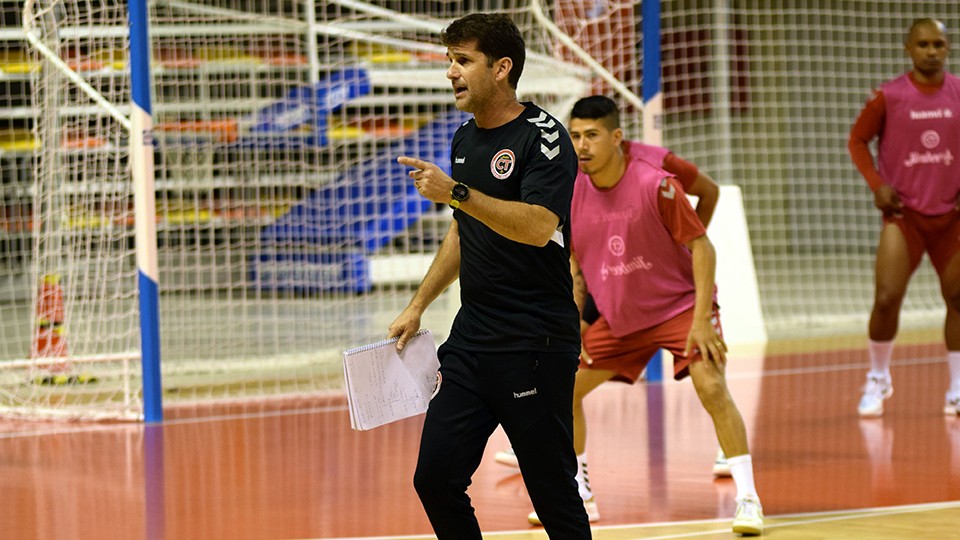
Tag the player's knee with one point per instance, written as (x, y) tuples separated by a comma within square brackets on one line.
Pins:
[(888, 299), (952, 297), (710, 388)]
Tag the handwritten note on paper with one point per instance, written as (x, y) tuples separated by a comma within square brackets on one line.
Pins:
[(384, 386)]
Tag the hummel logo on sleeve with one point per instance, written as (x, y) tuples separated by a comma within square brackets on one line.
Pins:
[(669, 192), (549, 137), (549, 152), (546, 123)]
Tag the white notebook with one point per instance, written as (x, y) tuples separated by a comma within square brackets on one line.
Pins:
[(384, 386)]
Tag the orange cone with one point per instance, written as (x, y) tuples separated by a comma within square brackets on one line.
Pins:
[(49, 340)]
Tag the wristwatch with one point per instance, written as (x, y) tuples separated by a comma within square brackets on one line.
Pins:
[(459, 193)]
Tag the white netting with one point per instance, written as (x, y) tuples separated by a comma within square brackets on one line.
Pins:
[(796, 75), (286, 233), (286, 230)]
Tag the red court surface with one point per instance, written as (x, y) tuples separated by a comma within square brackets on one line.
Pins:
[(296, 470)]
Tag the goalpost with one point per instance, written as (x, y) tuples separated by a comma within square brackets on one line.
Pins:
[(284, 229), (285, 232)]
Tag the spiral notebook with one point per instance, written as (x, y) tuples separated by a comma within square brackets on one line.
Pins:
[(384, 386)]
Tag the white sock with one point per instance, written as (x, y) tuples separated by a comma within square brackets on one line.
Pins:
[(953, 359), (741, 468), (880, 353), (583, 478)]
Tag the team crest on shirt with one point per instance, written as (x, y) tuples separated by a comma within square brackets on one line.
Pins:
[(616, 245), (930, 139), (502, 164)]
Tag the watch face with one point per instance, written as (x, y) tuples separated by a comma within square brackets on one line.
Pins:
[(460, 192)]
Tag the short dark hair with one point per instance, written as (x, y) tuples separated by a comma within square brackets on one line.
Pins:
[(597, 108), (496, 36)]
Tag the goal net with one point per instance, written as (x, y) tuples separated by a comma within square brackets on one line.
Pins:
[(763, 95), (286, 231)]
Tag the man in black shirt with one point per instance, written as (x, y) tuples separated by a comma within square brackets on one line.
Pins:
[(512, 354)]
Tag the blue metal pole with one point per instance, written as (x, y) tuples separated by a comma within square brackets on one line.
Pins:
[(141, 165), (652, 112)]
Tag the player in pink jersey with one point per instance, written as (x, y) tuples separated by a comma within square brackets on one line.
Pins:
[(916, 184), (694, 182), (644, 255)]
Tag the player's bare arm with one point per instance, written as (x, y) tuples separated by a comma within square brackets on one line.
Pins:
[(707, 193), (442, 272), (579, 283), (702, 334), (580, 297), (521, 222)]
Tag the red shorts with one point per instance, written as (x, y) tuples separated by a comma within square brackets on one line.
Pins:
[(939, 236), (630, 354)]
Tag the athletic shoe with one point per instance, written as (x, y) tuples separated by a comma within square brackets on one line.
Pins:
[(877, 389), (590, 506), (749, 517), (952, 406), (721, 468), (507, 457)]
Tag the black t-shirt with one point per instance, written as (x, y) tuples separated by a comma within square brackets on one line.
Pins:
[(514, 296)]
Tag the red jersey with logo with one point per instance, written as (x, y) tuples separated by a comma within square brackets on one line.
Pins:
[(919, 131), (630, 243)]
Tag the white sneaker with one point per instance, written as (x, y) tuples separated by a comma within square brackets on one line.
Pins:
[(749, 517), (590, 506), (952, 406), (721, 468), (507, 457), (877, 389)]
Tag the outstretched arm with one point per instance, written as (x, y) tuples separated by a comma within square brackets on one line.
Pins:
[(518, 221)]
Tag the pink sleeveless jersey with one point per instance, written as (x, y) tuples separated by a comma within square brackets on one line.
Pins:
[(638, 275), (919, 153), (653, 155)]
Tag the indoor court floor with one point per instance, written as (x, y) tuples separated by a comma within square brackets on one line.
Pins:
[(295, 470)]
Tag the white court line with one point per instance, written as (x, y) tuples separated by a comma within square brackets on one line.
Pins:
[(823, 369), (313, 410), (196, 420), (811, 518)]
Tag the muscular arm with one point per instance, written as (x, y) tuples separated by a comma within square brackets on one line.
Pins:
[(579, 284), (703, 335), (867, 126), (442, 272), (518, 221), (708, 194), (521, 222), (580, 298), (695, 182)]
